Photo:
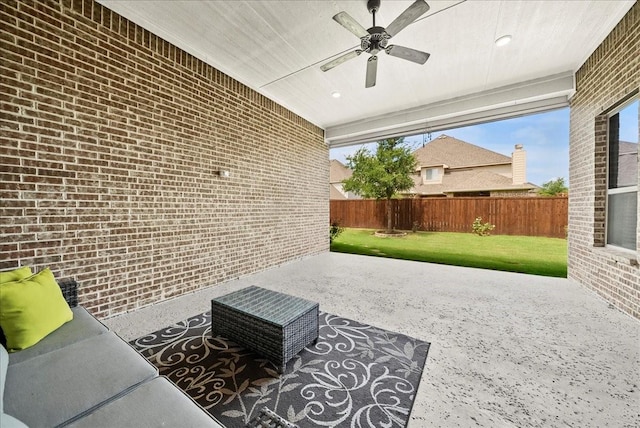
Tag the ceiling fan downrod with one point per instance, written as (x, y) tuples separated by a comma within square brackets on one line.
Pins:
[(373, 6), (377, 40)]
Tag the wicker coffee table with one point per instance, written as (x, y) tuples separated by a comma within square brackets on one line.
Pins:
[(275, 325)]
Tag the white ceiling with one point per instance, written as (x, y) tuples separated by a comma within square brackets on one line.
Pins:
[(276, 47)]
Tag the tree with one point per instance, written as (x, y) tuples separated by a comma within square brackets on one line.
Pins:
[(553, 187), (383, 174)]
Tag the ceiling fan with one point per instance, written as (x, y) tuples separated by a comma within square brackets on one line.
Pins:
[(375, 39)]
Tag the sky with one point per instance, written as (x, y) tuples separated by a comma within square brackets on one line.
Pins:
[(629, 122), (544, 136)]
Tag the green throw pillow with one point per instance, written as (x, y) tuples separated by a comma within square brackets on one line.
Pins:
[(8, 276), (31, 308), (15, 275)]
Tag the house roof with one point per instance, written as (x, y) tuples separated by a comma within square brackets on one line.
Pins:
[(454, 153), (338, 172), (469, 181)]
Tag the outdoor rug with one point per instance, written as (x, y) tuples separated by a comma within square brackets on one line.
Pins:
[(356, 375)]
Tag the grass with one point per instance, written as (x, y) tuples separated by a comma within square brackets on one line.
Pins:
[(525, 254)]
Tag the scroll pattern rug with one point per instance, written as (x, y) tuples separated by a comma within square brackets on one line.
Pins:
[(355, 376)]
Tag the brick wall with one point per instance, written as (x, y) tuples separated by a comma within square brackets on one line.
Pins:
[(610, 74), (111, 143)]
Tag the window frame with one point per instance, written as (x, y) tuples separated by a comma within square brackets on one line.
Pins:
[(617, 190), (436, 171)]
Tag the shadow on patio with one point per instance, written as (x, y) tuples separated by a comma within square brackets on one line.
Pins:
[(506, 349)]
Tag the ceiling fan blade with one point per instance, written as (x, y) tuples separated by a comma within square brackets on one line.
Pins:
[(372, 71), (342, 58), (409, 54), (344, 19), (412, 13)]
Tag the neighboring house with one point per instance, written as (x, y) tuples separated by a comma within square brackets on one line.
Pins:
[(451, 167), (337, 173)]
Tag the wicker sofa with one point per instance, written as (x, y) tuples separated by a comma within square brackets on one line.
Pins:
[(83, 375)]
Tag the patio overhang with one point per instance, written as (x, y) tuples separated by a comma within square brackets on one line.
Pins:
[(519, 99), (278, 47)]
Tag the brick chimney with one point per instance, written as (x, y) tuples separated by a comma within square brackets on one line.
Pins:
[(519, 165)]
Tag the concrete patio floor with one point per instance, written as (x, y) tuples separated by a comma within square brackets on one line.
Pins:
[(507, 350)]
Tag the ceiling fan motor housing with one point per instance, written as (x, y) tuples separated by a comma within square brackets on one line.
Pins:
[(375, 41)]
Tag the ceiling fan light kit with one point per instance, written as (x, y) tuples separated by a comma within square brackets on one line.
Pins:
[(376, 39)]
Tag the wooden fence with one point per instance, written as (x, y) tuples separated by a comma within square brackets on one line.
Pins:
[(535, 216)]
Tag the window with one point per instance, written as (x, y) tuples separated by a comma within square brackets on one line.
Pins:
[(622, 188), (431, 174)]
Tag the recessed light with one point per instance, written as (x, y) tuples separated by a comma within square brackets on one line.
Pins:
[(335, 94), (504, 40)]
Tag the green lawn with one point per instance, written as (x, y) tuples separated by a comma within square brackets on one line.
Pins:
[(526, 254)]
